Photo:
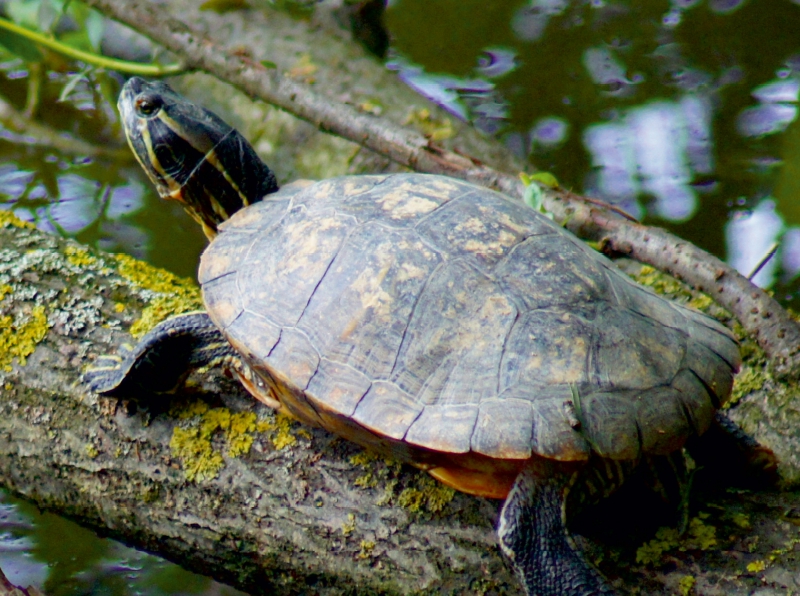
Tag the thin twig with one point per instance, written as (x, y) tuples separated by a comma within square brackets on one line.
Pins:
[(133, 68), (764, 260)]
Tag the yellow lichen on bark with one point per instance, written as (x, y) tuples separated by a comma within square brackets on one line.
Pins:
[(19, 338)]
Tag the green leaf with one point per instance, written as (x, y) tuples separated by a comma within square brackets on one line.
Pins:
[(20, 46), (95, 26), (534, 198), (24, 12), (268, 64), (221, 6), (47, 15), (545, 178)]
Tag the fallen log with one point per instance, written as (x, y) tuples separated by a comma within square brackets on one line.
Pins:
[(213, 481), (216, 482)]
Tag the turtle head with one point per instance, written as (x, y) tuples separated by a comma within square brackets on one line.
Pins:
[(190, 154)]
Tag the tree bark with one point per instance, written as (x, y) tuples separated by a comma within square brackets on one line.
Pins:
[(776, 331), (288, 513), (273, 507)]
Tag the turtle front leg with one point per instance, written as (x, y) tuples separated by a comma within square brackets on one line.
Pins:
[(163, 358), (533, 535)]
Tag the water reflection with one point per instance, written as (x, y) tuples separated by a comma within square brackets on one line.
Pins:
[(676, 110), (605, 68), (657, 150), (63, 559), (749, 236), (774, 113), (472, 98), (530, 22)]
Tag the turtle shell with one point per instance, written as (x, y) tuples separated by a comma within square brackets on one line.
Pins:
[(439, 317)]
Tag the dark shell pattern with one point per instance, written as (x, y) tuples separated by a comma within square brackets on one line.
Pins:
[(446, 316)]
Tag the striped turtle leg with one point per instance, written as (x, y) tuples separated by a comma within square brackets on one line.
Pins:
[(162, 359), (533, 535)]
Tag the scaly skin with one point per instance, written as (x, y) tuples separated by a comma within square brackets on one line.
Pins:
[(163, 358), (534, 536)]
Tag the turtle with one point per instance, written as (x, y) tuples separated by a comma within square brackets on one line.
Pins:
[(430, 319)]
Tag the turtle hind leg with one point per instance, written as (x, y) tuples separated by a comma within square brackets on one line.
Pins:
[(728, 456), (162, 360), (534, 536)]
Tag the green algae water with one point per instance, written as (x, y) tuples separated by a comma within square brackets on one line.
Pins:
[(63, 559), (682, 112)]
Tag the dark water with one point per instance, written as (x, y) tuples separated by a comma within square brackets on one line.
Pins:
[(63, 559), (683, 113)]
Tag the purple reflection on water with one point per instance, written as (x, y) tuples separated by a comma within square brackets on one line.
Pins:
[(765, 119), (549, 132), (659, 133), (613, 159), (472, 99), (655, 149), (496, 62), (604, 67), (125, 200), (785, 90), (749, 236), (790, 249), (440, 89), (725, 6), (119, 236), (14, 181), (77, 206), (530, 22), (697, 124)]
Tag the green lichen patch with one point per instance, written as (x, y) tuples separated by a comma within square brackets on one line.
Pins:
[(686, 585), (349, 526), (658, 281), (282, 430), (669, 287), (367, 546), (436, 130), (749, 380), (5, 290), (419, 493), (777, 556), (195, 440), (172, 294), (20, 336), (200, 461), (429, 495), (699, 536)]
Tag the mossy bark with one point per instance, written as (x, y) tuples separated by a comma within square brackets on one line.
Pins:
[(216, 482), (271, 507)]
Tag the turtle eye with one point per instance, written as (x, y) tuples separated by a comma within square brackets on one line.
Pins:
[(148, 105)]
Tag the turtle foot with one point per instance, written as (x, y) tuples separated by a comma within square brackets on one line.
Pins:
[(535, 539), (162, 360)]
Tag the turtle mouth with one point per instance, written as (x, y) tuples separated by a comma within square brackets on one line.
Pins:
[(191, 154)]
